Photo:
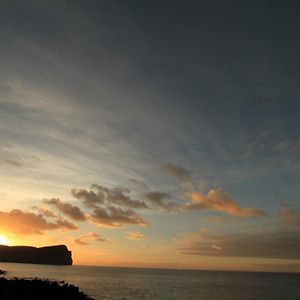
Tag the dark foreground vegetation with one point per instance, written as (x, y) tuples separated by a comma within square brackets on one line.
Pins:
[(27, 289)]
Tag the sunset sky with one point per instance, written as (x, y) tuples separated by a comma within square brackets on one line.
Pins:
[(152, 133)]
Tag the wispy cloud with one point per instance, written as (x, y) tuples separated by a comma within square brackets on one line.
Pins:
[(279, 240), (159, 200), (44, 211), (88, 238), (262, 244), (4, 162), (178, 172), (24, 93), (134, 235), (288, 145), (290, 216), (141, 184)]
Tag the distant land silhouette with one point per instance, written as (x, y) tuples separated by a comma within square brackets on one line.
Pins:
[(50, 255)]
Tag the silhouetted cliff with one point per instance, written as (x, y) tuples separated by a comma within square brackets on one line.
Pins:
[(52, 255)]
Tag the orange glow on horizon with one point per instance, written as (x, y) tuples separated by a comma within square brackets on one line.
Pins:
[(4, 240)]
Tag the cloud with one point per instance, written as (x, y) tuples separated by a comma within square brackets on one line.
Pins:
[(5, 146), (221, 220), (107, 196), (23, 222), (217, 200), (141, 184), (288, 145), (112, 216), (279, 154), (65, 224), (89, 198), (86, 239), (4, 162), (112, 207), (134, 235), (157, 200), (119, 196), (263, 244), (45, 211), (290, 216), (283, 241), (178, 172), (67, 209), (25, 94)]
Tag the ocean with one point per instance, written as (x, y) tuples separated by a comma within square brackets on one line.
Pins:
[(111, 283)]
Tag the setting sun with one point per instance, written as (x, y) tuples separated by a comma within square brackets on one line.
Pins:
[(3, 240)]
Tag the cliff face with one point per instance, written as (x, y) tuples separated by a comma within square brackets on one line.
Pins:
[(52, 255)]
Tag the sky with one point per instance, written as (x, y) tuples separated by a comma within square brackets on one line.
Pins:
[(152, 134)]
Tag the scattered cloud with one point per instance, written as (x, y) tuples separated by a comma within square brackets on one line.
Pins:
[(178, 172), (282, 240), (112, 216), (280, 153), (217, 200), (88, 238), (119, 196), (64, 224), (107, 196), (89, 198), (221, 220), (288, 145), (22, 222), (45, 211), (112, 207), (73, 212), (290, 216), (262, 244), (158, 200), (5, 146), (134, 235)]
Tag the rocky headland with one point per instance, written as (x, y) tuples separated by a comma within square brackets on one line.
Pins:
[(51, 255)]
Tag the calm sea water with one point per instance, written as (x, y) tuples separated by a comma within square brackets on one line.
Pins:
[(105, 283)]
